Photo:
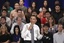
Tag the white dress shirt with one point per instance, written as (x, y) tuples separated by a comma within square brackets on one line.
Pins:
[(58, 37), (26, 35)]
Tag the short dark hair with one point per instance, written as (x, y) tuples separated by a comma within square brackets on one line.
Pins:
[(3, 18), (57, 5), (48, 12), (61, 24), (33, 16), (19, 10), (4, 10), (46, 24)]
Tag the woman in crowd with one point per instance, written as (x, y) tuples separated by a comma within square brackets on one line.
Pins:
[(45, 4), (29, 13), (4, 35), (33, 6), (16, 37), (52, 26)]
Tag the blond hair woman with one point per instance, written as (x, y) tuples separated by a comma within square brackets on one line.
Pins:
[(4, 35)]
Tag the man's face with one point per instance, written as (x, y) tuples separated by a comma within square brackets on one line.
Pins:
[(57, 8), (19, 20), (4, 13), (45, 29), (60, 28), (19, 13), (47, 14), (3, 20), (17, 6), (33, 19)]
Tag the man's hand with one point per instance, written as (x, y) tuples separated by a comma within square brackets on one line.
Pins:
[(30, 27)]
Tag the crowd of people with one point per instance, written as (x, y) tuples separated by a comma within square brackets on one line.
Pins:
[(29, 25)]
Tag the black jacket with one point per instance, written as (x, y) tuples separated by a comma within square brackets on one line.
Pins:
[(47, 38)]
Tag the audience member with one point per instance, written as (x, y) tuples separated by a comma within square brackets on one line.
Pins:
[(4, 14), (3, 22), (47, 36), (59, 36), (29, 13), (23, 8), (52, 25), (57, 14), (18, 22), (13, 13), (21, 14), (16, 37), (33, 6), (4, 35), (9, 8)]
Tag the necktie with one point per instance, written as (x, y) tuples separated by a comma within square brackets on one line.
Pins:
[(32, 35)]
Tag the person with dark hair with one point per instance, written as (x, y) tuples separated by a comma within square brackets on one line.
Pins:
[(30, 34), (22, 7), (57, 2), (3, 7), (13, 13), (4, 13), (52, 25), (47, 36), (3, 22), (33, 6), (29, 13), (22, 15), (61, 20), (42, 13), (38, 19), (9, 8), (44, 20), (59, 36), (16, 37), (47, 14), (57, 14), (45, 4), (18, 22), (4, 35)]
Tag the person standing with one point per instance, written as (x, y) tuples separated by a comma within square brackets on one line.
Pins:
[(31, 32)]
